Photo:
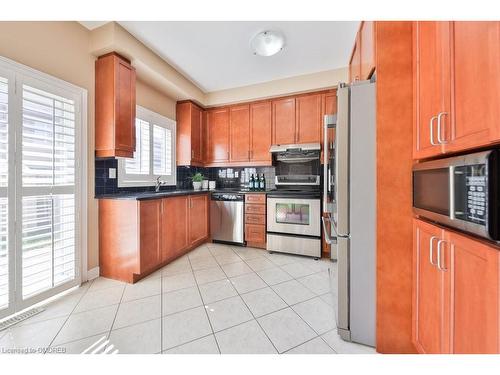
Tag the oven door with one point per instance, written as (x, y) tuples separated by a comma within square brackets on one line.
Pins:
[(294, 216)]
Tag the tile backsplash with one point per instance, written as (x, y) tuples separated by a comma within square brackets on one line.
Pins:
[(224, 177)]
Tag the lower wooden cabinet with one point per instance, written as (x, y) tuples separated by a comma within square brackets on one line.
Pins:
[(136, 237), (255, 220), (456, 292)]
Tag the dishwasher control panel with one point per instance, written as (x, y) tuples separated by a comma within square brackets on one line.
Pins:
[(227, 197)]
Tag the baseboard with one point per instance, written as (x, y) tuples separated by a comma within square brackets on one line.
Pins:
[(93, 273)]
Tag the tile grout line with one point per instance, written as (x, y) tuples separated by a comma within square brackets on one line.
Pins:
[(116, 314), (71, 313), (289, 306), (204, 305)]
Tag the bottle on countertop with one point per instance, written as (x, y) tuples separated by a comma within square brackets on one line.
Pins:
[(262, 182), (252, 182)]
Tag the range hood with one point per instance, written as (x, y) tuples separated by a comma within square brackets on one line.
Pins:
[(295, 147), (296, 153)]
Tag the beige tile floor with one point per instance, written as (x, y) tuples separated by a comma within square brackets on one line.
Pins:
[(216, 299)]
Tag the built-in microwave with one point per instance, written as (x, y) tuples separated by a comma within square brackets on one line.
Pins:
[(462, 192)]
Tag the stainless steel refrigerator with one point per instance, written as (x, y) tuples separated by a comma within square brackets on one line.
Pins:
[(349, 205)]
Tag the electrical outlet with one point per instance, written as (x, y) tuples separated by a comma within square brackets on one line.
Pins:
[(112, 172)]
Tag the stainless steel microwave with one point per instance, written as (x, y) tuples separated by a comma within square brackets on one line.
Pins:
[(462, 192)]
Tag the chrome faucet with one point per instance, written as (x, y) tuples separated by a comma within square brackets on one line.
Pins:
[(158, 184)]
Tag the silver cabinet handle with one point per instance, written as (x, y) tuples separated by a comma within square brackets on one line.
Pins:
[(431, 126), (431, 250), (440, 242), (441, 140)]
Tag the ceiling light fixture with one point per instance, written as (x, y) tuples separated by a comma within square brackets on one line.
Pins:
[(267, 43)]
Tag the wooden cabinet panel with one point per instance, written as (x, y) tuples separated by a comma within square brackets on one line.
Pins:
[(255, 219), (427, 294), (255, 233), (355, 62), (367, 50), (476, 81), (175, 226), (308, 118), (432, 86), (218, 135), (473, 269), (198, 218), (115, 106), (284, 121), (149, 230), (260, 132), (240, 133), (189, 136), (255, 209), (196, 130)]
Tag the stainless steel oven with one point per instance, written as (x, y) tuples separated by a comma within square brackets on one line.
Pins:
[(461, 192)]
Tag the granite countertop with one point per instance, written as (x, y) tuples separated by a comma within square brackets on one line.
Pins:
[(145, 195)]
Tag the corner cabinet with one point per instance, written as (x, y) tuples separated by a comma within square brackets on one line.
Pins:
[(114, 106), (362, 62), (189, 117), (456, 79), (456, 292), (136, 237)]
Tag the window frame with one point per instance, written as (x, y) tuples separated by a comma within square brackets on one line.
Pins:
[(135, 180)]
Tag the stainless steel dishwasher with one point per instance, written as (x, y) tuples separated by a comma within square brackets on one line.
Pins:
[(227, 218)]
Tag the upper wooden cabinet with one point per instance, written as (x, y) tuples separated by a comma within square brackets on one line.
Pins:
[(239, 125), (355, 62), (308, 118), (189, 134), (284, 121), (114, 107), (218, 135), (456, 292), (362, 63), (456, 86), (260, 132)]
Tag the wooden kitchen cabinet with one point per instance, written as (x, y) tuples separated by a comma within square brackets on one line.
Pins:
[(136, 237), (355, 61), (255, 220), (432, 76), (198, 218), (239, 125), (218, 135), (456, 79), (260, 132), (456, 292), (284, 129), (428, 315), (308, 119), (114, 106), (175, 227), (189, 117), (367, 49)]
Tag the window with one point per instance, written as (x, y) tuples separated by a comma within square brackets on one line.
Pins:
[(154, 155), (42, 181)]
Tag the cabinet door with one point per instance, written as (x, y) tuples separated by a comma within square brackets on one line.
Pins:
[(427, 289), (355, 63), (367, 37), (149, 229), (309, 118), (432, 86), (175, 238), (198, 218), (284, 121), (476, 79), (260, 132), (474, 273), (240, 133), (218, 135), (196, 134), (125, 106)]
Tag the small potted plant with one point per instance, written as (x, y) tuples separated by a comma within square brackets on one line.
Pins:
[(197, 179)]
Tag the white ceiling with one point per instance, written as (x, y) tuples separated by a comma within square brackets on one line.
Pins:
[(217, 55)]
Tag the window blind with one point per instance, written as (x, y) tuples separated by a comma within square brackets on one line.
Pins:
[(139, 164), (4, 212)]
